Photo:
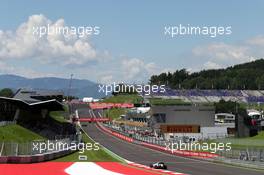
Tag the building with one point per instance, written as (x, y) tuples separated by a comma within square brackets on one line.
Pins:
[(225, 118), (183, 115), (30, 104), (194, 121)]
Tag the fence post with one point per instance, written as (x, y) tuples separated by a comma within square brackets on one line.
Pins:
[(2, 148), (16, 149)]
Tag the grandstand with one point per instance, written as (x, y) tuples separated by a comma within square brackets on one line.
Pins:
[(32, 110), (210, 96)]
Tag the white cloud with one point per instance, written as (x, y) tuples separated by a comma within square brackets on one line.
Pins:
[(257, 41), (106, 79), (21, 71), (219, 55), (136, 69), (212, 65), (62, 53), (53, 48), (5, 68), (222, 51)]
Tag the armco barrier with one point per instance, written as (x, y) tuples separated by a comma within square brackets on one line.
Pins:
[(96, 105), (94, 119), (128, 139), (33, 158), (204, 155), (181, 152)]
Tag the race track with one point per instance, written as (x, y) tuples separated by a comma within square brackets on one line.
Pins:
[(142, 155)]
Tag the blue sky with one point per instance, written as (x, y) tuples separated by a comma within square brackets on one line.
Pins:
[(132, 34)]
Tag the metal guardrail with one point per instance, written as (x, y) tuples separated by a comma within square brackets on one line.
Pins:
[(253, 155), (244, 155), (148, 139), (36, 147), (4, 123)]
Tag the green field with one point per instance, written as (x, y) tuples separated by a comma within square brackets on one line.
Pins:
[(115, 113), (17, 133), (255, 142), (132, 98), (256, 106), (92, 156), (58, 116), (160, 101)]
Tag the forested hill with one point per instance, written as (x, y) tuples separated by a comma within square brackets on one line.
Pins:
[(243, 76)]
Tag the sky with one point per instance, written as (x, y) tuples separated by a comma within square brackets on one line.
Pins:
[(132, 44)]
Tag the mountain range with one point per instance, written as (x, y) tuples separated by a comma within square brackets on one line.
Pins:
[(79, 87)]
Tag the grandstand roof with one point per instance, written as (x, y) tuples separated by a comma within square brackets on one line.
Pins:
[(34, 96), (49, 104)]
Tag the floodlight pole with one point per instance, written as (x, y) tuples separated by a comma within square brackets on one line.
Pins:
[(69, 87)]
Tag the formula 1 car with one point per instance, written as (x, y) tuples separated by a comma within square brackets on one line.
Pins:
[(158, 165)]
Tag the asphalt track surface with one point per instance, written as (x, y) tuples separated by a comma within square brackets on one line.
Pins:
[(145, 156)]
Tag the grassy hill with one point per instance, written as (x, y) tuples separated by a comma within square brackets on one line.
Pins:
[(17, 133)]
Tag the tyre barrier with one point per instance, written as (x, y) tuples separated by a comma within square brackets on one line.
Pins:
[(184, 153)]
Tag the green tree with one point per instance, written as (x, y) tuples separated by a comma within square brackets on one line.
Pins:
[(260, 82), (243, 76), (226, 107), (6, 92)]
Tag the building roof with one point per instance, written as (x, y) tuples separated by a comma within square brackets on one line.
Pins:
[(34, 96), (49, 104), (35, 99)]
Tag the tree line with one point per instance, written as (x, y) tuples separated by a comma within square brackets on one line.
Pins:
[(243, 76)]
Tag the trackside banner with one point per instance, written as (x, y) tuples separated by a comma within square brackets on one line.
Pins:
[(110, 105)]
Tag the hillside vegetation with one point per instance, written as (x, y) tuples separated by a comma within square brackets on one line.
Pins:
[(243, 76)]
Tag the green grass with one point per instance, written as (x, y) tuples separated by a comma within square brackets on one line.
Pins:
[(132, 98), (256, 106), (58, 116), (160, 101), (17, 133), (255, 142), (92, 156), (259, 136), (115, 113)]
